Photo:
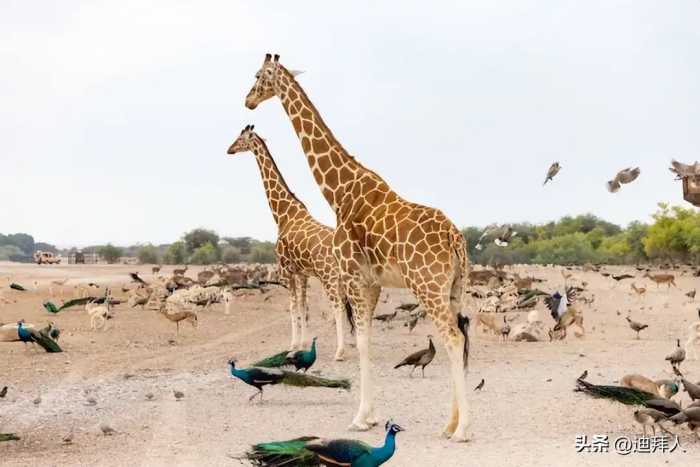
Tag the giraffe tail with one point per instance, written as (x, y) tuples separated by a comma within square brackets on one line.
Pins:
[(349, 314), (461, 279)]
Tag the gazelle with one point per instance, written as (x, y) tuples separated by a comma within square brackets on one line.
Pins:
[(668, 279)]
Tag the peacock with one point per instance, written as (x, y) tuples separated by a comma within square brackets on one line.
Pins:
[(300, 359), (28, 333), (8, 437), (628, 396), (261, 377), (52, 308), (311, 451)]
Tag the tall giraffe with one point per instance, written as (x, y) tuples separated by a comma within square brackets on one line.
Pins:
[(304, 246), (380, 240)]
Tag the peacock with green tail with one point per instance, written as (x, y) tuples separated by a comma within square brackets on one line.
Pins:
[(260, 377), (311, 451), (301, 359), (628, 396)]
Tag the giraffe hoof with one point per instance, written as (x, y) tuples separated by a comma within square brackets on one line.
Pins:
[(340, 357), (461, 436), (371, 421), (359, 426)]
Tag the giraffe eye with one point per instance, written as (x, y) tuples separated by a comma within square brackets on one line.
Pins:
[(257, 75)]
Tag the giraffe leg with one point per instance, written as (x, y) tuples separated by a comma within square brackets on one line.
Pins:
[(364, 300), (293, 312), (331, 287), (302, 312)]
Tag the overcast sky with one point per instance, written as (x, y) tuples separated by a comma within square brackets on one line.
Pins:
[(115, 116)]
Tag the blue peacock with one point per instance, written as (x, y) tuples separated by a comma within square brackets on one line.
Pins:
[(260, 377), (46, 337), (301, 359), (312, 451)]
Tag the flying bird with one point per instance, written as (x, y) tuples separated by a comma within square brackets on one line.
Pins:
[(505, 236), (623, 177), (552, 172)]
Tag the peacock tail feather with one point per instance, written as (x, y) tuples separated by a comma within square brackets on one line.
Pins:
[(283, 453), (628, 396), (274, 361), (8, 437), (51, 308), (303, 380), (48, 344)]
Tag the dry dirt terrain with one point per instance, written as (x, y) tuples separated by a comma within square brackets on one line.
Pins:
[(526, 415)]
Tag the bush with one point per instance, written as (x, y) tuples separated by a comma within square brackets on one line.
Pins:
[(200, 237), (175, 254), (110, 253), (263, 253), (205, 254), (231, 255), (148, 254)]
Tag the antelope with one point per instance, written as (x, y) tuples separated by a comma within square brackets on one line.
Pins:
[(668, 279), (639, 290)]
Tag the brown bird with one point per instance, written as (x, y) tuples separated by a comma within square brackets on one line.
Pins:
[(552, 172), (422, 358), (3, 392), (636, 327), (649, 417), (693, 390), (480, 386), (179, 316), (691, 294), (623, 177), (411, 323), (407, 306), (677, 356)]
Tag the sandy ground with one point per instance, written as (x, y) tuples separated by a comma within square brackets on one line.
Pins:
[(527, 414)]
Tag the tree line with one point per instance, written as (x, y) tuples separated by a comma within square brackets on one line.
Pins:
[(672, 236)]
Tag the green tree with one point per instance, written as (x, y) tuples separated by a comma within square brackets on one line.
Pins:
[(176, 253), (199, 237), (110, 253), (205, 254), (148, 254), (263, 252)]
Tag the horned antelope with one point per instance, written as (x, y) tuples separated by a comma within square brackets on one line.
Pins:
[(668, 279)]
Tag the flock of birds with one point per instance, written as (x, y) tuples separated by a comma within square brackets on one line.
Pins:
[(658, 409)]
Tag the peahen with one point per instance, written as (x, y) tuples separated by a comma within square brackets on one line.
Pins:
[(261, 377), (311, 451), (29, 334)]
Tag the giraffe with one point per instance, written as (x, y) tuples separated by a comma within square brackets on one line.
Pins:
[(304, 246), (380, 240)]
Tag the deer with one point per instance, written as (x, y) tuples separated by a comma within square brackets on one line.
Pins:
[(668, 279)]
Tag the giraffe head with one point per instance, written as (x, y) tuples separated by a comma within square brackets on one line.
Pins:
[(267, 81), (245, 141)]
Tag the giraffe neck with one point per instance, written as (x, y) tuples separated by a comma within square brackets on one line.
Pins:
[(333, 168), (283, 203)]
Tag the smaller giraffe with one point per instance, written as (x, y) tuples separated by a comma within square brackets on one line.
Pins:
[(304, 246)]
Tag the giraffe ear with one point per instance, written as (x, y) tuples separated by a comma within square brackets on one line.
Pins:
[(295, 72)]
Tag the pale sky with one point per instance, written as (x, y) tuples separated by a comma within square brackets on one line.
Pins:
[(115, 116)]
